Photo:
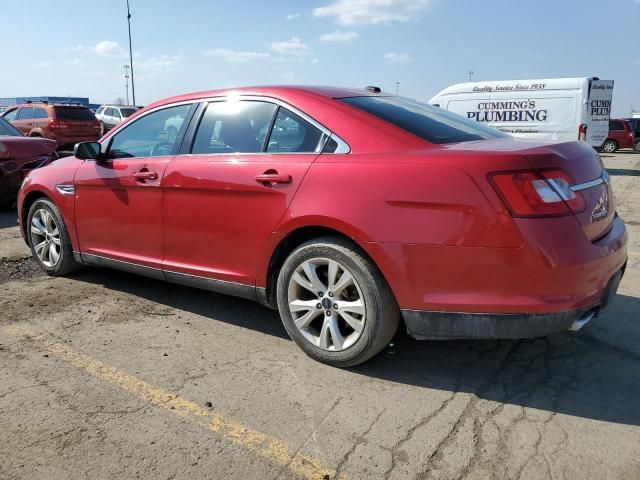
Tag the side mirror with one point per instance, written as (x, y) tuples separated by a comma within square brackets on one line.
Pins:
[(87, 151)]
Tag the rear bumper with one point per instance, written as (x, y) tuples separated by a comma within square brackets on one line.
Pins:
[(431, 325)]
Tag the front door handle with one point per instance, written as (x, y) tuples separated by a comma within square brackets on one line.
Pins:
[(145, 175), (271, 178)]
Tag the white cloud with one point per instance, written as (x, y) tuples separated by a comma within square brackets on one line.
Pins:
[(157, 65), (293, 16), (371, 12), (107, 48), (338, 36), (315, 61), (397, 57), (45, 64), (293, 47), (74, 61), (236, 56)]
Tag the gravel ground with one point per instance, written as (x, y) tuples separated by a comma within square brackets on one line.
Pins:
[(108, 375)]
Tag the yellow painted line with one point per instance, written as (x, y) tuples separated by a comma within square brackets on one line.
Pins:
[(260, 443)]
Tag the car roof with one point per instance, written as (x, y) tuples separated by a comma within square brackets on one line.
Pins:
[(273, 90)]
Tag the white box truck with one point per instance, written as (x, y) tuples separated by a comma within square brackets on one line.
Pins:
[(555, 109)]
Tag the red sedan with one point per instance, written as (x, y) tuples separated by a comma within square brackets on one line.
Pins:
[(347, 210), (19, 155)]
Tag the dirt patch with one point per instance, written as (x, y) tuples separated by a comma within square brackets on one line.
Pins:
[(21, 269)]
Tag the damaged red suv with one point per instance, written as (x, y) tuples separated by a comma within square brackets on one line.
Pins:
[(350, 211)]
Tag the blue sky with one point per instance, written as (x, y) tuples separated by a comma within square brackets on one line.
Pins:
[(78, 48)]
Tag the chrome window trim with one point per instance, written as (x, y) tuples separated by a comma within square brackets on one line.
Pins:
[(343, 147), (604, 178)]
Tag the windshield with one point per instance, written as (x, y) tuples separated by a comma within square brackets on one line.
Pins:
[(127, 112), (74, 113), (8, 130), (425, 121)]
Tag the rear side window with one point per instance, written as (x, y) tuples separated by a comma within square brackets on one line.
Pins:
[(234, 127), (26, 113), (74, 113), (39, 113), (127, 112), (291, 133), (615, 125), (425, 121)]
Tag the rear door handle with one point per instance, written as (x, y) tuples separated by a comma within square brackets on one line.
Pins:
[(145, 175), (273, 178)]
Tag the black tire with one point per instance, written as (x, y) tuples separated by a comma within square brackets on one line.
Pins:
[(382, 312), (636, 146), (609, 146), (66, 263), (103, 129)]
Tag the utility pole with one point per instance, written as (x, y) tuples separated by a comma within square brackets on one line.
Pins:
[(471, 73), (397, 87), (133, 88), (126, 82)]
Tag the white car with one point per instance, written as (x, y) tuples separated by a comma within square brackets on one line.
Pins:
[(111, 115)]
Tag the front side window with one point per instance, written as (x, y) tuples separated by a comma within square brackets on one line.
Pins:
[(152, 135), (430, 123), (291, 133), (234, 127), (26, 113), (8, 130)]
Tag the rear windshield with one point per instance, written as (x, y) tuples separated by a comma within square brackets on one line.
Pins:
[(425, 121), (127, 112), (74, 113), (8, 130)]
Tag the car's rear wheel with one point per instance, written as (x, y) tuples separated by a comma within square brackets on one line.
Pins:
[(334, 302), (609, 146), (103, 129), (49, 238), (636, 146)]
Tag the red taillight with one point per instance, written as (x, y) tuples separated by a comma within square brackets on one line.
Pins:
[(55, 124), (96, 124), (530, 193), (582, 131)]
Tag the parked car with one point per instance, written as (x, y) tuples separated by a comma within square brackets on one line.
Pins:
[(111, 115), (347, 210), (635, 126), (19, 155), (620, 135), (65, 124)]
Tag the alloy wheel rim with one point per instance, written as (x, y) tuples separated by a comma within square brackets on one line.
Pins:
[(326, 304), (608, 147), (45, 237)]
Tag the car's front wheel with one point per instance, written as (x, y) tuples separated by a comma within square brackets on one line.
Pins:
[(609, 146), (49, 238), (334, 302)]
